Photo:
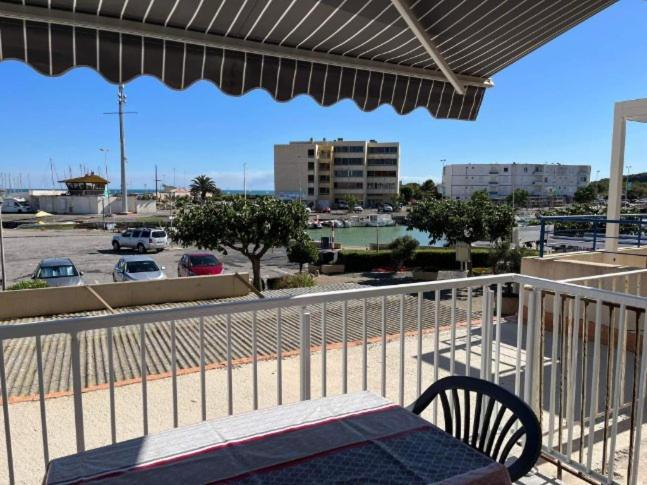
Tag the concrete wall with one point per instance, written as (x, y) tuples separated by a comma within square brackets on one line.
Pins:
[(55, 301), (89, 204)]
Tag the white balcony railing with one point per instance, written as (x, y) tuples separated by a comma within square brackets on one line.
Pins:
[(576, 354)]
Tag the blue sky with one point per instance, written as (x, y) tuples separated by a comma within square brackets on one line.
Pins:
[(554, 105)]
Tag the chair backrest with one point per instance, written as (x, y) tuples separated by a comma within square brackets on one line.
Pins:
[(493, 436)]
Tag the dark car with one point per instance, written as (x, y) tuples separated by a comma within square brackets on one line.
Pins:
[(199, 264)]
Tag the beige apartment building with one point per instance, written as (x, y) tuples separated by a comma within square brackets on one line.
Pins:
[(323, 173)]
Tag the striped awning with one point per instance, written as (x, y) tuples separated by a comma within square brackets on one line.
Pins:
[(438, 54)]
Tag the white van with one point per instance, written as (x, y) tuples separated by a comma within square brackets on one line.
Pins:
[(15, 206)]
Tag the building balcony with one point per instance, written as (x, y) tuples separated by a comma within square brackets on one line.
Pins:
[(117, 377)]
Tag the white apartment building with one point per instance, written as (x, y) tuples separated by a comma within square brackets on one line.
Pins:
[(543, 180), (325, 172)]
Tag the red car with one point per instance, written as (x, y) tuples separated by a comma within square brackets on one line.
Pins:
[(199, 264)]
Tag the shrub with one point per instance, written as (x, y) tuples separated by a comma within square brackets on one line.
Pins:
[(299, 280), (402, 250), (28, 285), (302, 251)]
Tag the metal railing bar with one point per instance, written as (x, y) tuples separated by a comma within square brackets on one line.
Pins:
[(436, 347), (143, 371), (639, 415), (452, 333), (254, 363), (324, 345), (553, 370), (401, 366), (383, 370), (5, 416), (111, 386), (499, 303), (279, 358), (174, 373), (364, 347), (419, 349), (203, 379), (77, 386), (230, 377), (517, 376), (595, 387), (468, 343), (622, 335), (41, 399), (344, 349), (572, 372)]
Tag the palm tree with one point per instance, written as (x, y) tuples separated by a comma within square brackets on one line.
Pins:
[(203, 185)]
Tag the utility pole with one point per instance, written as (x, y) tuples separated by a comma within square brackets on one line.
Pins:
[(121, 99), (156, 180), (245, 180)]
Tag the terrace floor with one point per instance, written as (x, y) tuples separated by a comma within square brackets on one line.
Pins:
[(25, 416)]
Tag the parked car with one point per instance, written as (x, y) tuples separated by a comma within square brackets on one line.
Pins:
[(143, 240), (137, 268), (358, 208), (386, 208), (326, 210), (58, 272), (15, 206), (199, 264)]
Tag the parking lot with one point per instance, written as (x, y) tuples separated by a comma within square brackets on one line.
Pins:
[(91, 251)]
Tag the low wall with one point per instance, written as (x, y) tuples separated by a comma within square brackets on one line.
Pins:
[(56, 301)]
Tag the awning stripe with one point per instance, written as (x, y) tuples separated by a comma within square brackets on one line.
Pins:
[(328, 49)]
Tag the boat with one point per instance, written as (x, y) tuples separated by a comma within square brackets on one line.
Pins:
[(315, 225), (380, 220), (336, 223)]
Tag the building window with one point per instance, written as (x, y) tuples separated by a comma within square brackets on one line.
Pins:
[(324, 178), (382, 149), (311, 165), (505, 169), (382, 173), (324, 191), (350, 149), (349, 173), (311, 152), (380, 186), (324, 167), (311, 191), (349, 185), (349, 161), (311, 178), (382, 161)]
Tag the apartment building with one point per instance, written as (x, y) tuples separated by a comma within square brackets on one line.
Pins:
[(541, 181), (325, 172)]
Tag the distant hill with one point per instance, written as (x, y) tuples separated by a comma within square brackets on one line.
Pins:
[(637, 185)]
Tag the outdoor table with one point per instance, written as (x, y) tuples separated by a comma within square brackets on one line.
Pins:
[(356, 437)]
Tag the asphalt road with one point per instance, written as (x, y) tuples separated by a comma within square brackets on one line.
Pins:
[(90, 250)]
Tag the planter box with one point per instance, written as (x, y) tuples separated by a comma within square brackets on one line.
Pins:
[(420, 275), (331, 268)]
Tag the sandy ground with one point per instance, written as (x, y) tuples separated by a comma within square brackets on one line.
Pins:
[(25, 417)]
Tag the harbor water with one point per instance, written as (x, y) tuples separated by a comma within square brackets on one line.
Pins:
[(363, 236)]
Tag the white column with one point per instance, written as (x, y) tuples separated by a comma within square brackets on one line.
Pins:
[(615, 176)]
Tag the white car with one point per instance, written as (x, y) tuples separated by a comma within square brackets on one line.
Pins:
[(358, 208), (138, 268), (15, 206), (143, 240)]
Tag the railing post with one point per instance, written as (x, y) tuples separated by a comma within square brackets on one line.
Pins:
[(542, 235), (640, 229), (305, 357), (77, 389), (595, 235)]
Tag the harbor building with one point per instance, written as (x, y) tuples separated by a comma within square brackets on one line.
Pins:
[(323, 173), (540, 180)]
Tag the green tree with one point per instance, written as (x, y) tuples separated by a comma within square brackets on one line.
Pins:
[(402, 250), (409, 192), (302, 251), (476, 219), (203, 185), (351, 200), (585, 195), (251, 228), (429, 189), (520, 198)]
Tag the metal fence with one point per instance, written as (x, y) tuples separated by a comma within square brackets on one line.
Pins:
[(588, 232), (565, 337)]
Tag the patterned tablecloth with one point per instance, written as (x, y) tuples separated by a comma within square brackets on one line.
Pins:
[(356, 438)]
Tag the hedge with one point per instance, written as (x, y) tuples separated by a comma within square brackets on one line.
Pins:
[(436, 258)]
